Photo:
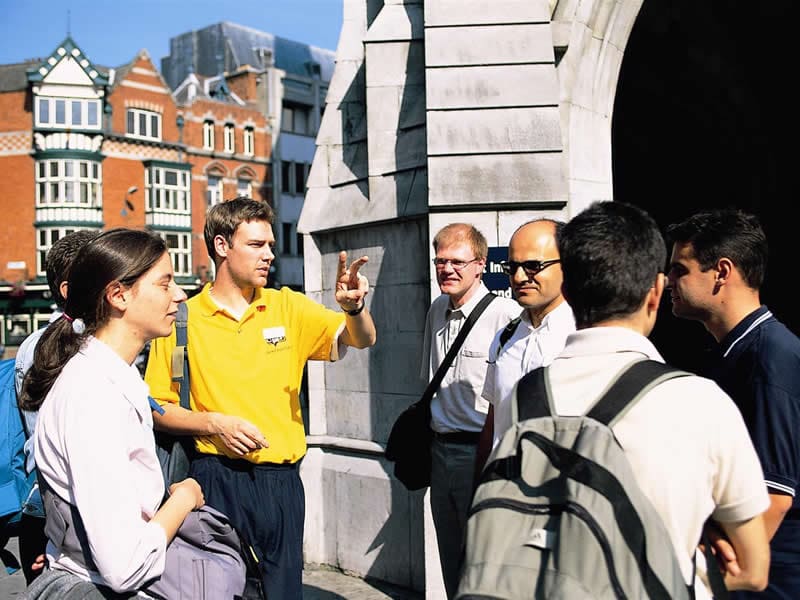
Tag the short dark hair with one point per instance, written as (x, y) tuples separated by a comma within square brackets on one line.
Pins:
[(611, 254), (223, 219), (725, 233), (58, 261)]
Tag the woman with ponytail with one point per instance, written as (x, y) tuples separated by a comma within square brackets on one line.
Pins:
[(94, 442)]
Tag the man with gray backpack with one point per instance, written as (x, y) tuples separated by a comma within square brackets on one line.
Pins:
[(602, 486)]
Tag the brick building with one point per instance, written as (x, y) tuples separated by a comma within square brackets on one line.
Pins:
[(89, 147), (288, 81)]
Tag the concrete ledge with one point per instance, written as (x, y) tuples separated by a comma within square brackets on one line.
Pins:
[(347, 444)]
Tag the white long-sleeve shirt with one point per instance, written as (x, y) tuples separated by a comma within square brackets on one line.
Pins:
[(94, 445)]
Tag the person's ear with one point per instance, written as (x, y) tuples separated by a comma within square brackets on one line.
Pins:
[(724, 268), (117, 296), (482, 264), (221, 246), (654, 294), (63, 288)]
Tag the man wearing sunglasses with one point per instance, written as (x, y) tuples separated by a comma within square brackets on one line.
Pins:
[(457, 409), (539, 335)]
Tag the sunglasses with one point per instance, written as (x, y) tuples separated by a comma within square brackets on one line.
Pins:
[(531, 267)]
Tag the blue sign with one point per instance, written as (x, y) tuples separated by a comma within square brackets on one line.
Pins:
[(493, 276)]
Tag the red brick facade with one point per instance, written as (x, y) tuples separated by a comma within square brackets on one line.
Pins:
[(148, 148)]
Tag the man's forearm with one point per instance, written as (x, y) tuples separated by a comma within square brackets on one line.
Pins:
[(179, 421), (751, 547), (360, 330), (779, 505)]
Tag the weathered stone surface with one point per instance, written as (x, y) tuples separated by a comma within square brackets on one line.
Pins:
[(491, 86), (485, 12), (487, 45), (513, 178), (494, 131)]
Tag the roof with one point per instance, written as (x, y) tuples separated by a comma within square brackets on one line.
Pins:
[(68, 48), (227, 46), (15, 77)]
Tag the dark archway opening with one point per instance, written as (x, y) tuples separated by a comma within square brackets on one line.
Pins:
[(704, 117)]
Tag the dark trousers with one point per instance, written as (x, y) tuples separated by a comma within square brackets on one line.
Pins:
[(266, 503), (452, 473), (32, 543)]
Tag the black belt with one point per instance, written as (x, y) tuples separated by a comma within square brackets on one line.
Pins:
[(458, 437)]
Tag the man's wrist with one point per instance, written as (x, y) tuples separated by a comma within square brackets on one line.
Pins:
[(355, 311)]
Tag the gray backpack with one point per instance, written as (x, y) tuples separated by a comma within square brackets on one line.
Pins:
[(206, 559), (557, 512)]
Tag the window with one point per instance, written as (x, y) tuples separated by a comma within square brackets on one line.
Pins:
[(214, 190), (228, 138), (180, 251), (286, 177), (18, 327), (45, 238), (296, 118), (293, 177), (166, 189), (67, 181), (67, 112), (144, 124), (248, 141), (286, 238), (299, 243), (208, 135), (244, 187), (299, 178)]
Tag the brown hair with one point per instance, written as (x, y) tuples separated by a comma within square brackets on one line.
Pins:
[(223, 219)]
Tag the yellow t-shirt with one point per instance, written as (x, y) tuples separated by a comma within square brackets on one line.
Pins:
[(252, 367)]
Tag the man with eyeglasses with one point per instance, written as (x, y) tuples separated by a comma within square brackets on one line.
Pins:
[(540, 332), (457, 409)]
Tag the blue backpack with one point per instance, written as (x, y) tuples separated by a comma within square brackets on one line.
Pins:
[(15, 482)]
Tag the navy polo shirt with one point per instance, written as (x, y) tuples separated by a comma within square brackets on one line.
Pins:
[(758, 365)]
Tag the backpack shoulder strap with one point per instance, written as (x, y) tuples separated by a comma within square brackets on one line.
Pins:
[(630, 385), (507, 332), (533, 397), (180, 356)]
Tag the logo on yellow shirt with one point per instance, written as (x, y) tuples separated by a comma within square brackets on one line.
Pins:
[(274, 335)]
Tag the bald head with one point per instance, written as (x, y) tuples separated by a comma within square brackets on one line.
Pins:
[(538, 290)]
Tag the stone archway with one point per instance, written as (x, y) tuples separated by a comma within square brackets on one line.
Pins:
[(699, 121)]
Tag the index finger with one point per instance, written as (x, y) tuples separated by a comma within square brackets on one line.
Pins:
[(342, 265), (356, 265)]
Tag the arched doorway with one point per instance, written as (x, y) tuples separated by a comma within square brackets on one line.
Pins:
[(702, 118)]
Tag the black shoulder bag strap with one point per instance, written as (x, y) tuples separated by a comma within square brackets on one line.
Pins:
[(507, 332), (454, 348)]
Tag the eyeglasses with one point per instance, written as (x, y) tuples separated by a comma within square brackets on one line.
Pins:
[(531, 267), (441, 263)]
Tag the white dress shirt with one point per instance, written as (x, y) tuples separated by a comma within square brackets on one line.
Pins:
[(94, 445), (527, 349), (457, 404)]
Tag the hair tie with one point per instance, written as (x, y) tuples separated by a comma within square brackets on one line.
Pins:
[(78, 326)]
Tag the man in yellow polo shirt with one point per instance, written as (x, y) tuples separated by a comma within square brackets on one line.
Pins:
[(247, 349)]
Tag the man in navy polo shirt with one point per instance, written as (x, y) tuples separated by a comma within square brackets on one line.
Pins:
[(718, 262)]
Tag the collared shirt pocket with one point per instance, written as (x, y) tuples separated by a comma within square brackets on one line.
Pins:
[(472, 367)]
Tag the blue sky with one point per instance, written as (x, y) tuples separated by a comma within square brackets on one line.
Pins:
[(33, 28)]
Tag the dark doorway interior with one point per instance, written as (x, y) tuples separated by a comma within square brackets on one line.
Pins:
[(704, 117)]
